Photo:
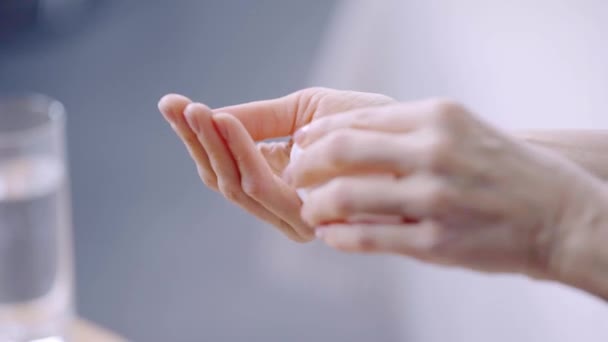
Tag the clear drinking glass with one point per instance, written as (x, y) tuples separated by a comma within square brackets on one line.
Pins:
[(36, 271)]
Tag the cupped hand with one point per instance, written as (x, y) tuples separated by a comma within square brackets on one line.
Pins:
[(479, 198), (222, 143)]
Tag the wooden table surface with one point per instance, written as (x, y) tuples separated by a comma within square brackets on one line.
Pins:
[(84, 331)]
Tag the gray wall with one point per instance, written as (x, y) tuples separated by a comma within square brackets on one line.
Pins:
[(160, 258)]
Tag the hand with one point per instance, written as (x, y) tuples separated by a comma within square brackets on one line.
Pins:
[(222, 144), (479, 198)]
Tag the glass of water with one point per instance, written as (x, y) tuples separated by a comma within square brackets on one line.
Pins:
[(36, 271)]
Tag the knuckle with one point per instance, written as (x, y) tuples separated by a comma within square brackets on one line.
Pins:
[(312, 92), (337, 144), (433, 243), (341, 196), (362, 241), (292, 234), (303, 237), (252, 187), (231, 192), (363, 117), (209, 182), (340, 138), (447, 110), (438, 152), (207, 179), (307, 100), (190, 139), (438, 198)]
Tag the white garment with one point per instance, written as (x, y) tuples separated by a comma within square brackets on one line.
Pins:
[(518, 64)]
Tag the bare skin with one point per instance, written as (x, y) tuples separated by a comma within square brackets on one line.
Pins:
[(469, 194)]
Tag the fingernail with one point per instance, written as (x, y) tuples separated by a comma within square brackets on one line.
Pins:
[(319, 233), (221, 128), (163, 108), (300, 134)]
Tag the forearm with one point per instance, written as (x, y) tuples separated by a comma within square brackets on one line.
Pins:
[(587, 148), (577, 248), (587, 255), (596, 279)]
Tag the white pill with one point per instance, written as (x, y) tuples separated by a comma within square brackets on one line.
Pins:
[(295, 152)]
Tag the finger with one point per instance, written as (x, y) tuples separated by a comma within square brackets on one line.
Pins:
[(172, 107), (267, 119), (415, 197), (419, 240), (399, 118), (257, 179), (199, 118), (350, 152), (282, 116)]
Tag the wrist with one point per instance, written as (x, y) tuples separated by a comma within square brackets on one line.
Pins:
[(578, 256)]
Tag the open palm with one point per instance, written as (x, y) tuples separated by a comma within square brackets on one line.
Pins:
[(222, 143)]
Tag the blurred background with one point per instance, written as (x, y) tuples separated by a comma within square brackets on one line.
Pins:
[(159, 257)]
